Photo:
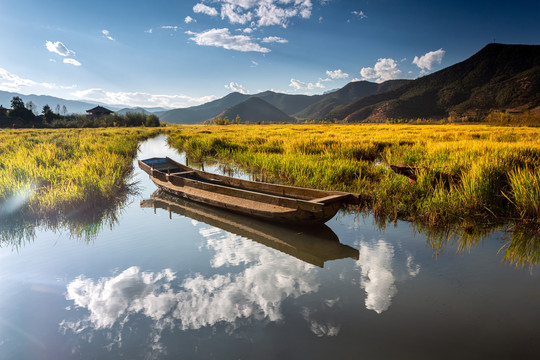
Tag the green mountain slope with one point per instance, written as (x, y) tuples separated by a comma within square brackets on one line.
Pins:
[(256, 110), (344, 96), (498, 77)]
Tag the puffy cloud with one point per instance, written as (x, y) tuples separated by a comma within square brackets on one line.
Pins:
[(107, 35), (425, 62), (58, 48), (337, 74), (276, 39), (263, 13), (223, 38), (71, 62), (377, 280), (234, 14), (253, 294), (204, 9), (297, 85), (189, 19), (236, 87), (380, 272), (140, 99), (384, 69)]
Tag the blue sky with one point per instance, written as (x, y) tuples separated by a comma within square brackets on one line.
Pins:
[(184, 53)]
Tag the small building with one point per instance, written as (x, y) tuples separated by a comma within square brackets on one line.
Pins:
[(99, 111)]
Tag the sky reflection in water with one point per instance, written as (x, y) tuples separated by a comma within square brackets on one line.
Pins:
[(164, 285)]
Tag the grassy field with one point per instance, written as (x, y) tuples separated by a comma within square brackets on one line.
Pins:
[(462, 173), (60, 174)]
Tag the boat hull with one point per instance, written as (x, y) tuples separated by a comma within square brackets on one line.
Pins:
[(270, 202)]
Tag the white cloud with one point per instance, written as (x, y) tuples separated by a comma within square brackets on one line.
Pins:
[(377, 279), (425, 62), (380, 270), (107, 34), (337, 74), (71, 62), (276, 39), (223, 38), (235, 15), (236, 87), (360, 14), (231, 297), (262, 13), (170, 27), (204, 9), (12, 82), (149, 31), (298, 85), (254, 63), (189, 19), (58, 48), (384, 69), (320, 329), (356, 79), (247, 30), (140, 99)]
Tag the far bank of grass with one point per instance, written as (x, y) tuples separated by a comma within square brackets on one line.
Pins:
[(57, 174), (461, 173)]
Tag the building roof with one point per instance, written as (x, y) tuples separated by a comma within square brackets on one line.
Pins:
[(99, 110)]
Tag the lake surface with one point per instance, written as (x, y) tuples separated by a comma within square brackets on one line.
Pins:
[(181, 281)]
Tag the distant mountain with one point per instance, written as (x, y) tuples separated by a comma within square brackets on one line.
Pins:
[(498, 77), (137, 110), (72, 106), (256, 110), (289, 104), (200, 113), (344, 96)]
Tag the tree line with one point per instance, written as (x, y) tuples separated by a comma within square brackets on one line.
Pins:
[(22, 115)]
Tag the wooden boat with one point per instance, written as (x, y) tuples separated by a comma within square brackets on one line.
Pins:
[(314, 246), (271, 202)]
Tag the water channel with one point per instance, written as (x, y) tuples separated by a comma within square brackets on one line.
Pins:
[(181, 281)]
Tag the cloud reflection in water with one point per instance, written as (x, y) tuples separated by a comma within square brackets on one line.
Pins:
[(379, 271), (253, 292)]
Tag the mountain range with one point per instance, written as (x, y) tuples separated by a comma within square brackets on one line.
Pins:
[(498, 77)]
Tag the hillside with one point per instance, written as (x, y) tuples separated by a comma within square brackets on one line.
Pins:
[(498, 77), (256, 110), (344, 96), (200, 113)]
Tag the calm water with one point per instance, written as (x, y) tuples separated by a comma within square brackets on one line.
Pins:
[(182, 281)]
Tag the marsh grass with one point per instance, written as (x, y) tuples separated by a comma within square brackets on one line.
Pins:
[(461, 172), (79, 176)]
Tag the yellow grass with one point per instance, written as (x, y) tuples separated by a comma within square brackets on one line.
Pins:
[(463, 171)]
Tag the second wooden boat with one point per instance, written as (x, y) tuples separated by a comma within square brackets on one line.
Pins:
[(271, 202)]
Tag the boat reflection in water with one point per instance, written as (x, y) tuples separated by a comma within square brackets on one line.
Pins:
[(314, 246)]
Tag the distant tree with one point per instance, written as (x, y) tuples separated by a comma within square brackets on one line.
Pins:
[(64, 110), (57, 109), (17, 103), (48, 115), (238, 119), (32, 107), (19, 111), (151, 121)]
